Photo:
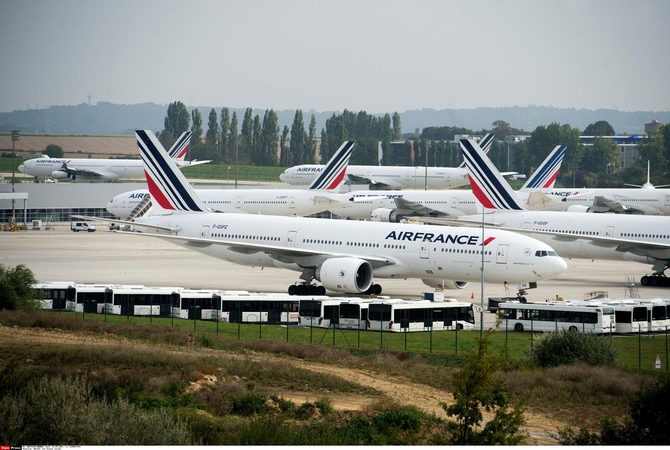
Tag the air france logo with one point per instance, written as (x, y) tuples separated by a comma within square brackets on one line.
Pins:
[(139, 195), (52, 161), (431, 237), (309, 169)]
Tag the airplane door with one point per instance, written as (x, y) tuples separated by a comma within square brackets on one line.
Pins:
[(238, 202), (454, 202), (501, 254), (609, 231), (204, 231), (291, 203), (526, 226), (425, 250), (290, 239), (667, 200)]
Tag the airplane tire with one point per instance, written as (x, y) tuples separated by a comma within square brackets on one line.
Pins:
[(654, 281), (292, 289), (644, 281), (376, 289), (320, 290)]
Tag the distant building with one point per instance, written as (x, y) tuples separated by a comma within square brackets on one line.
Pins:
[(653, 127)]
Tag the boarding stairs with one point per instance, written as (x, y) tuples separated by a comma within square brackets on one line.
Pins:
[(631, 288), (141, 209)]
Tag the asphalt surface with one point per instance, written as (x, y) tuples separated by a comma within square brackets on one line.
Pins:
[(114, 258)]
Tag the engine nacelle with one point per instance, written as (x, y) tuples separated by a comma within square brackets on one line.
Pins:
[(628, 256), (60, 175), (385, 215), (350, 275), (447, 284), (578, 208)]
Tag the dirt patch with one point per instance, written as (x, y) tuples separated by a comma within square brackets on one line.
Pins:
[(398, 388)]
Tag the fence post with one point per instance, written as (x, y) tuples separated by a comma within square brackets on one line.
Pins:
[(639, 347)]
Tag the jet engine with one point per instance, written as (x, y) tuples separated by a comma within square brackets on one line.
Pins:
[(385, 215), (60, 175), (447, 284), (350, 275)]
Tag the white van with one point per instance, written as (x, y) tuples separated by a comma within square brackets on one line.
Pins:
[(82, 226)]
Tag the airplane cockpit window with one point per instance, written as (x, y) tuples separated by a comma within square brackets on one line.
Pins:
[(542, 253)]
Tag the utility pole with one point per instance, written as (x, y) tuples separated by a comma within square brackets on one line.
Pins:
[(15, 137)]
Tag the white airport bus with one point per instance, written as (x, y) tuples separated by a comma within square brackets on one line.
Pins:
[(420, 315), (55, 294), (196, 304), (657, 313), (142, 301), (556, 316), (265, 307), (629, 316), (342, 312)]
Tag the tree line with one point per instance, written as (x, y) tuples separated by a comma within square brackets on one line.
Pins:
[(259, 141)]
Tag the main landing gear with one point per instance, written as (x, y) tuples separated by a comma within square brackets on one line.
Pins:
[(313, 289), (657, 279), (306, 289)]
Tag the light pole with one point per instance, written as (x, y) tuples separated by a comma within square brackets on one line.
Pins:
[(15, 137), (228, 175), (237, 155)]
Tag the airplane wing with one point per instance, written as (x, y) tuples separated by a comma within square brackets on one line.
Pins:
[(414, 207), (604, 204), (127, 222), (280, 253), (378, 184), (191, 163), (538, 201), (86, 173)]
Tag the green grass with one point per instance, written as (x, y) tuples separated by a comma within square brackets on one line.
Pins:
[(437, 347)]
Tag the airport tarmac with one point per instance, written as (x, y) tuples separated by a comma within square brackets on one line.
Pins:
[(115, 258)]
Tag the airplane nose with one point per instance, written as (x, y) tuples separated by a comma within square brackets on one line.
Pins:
[(21, 167), (560, 266)]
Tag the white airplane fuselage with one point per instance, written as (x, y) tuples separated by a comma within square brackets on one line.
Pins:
[(276, 202), (641, 201), (436, 253), (394, 177), (110, 169), (652, 229)]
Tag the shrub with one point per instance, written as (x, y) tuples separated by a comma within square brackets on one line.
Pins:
[(16, 288), (325, 405), (568, 347), (248, 403)]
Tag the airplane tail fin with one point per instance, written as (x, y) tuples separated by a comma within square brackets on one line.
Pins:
[(545, 175), (485, 144), (332, 175), (180, 147), (490, 188), (169, 189)]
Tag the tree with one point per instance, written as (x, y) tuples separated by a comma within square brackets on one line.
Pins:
[(397, 127), (225, 129), (530, 153), (298, 137), (196, 128), (247, 136), (270, 138), (475, 387), (310, 146), (232, 139), (655, 149), (16, 288), (54, 151), (177, 119), (601, 157), (212, 136), (600, 128), (256, 154), (284, 148)]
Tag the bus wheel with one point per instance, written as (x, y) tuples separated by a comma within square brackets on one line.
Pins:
[(518, 327), (459, 326), (573, 329)]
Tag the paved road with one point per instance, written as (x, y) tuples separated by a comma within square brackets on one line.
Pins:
[(106, 257)]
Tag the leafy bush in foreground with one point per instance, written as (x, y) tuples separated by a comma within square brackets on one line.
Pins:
[(568, 347)]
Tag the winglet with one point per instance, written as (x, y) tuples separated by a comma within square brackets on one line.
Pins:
[(545, 175), (332, 175), (169, 189), (490, 188)]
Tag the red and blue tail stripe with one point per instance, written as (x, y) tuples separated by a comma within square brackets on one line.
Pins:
[(180, 147), (490, 188), (332, 175), (167, 185), (545, 175)]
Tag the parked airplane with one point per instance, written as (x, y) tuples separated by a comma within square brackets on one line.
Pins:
[(393, 206), (643, 239), (391, 177), (321, 195), (101, 169), (344, 256)]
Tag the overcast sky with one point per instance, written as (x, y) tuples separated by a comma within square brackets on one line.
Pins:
[(371, 55)]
